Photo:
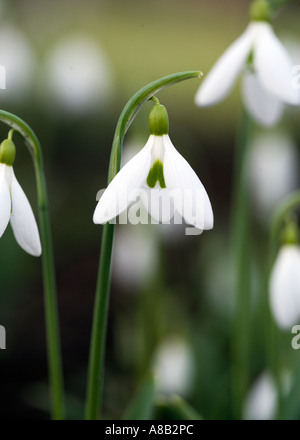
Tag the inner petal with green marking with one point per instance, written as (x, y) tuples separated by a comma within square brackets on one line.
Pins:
[(156, 175)]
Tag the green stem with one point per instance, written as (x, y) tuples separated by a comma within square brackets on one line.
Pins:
[(241, 248), (97, 348), (51, 314)]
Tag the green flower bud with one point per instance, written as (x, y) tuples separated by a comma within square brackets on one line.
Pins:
[(260, 11), (7, 152), (159, 120)]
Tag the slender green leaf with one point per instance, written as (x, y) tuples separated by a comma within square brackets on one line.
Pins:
[(141, 408)]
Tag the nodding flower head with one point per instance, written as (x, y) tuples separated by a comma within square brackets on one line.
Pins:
[(162, 179)]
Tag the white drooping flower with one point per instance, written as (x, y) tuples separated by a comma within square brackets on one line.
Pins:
[(159, 178), (135, 272), (77, 76), (262, 400), (285, 287), (274, 170), (267, 83), (14, 205)]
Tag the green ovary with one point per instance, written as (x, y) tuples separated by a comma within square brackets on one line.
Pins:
[(156, 174)]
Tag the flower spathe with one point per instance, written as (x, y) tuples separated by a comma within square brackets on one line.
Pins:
[(267, 81), (15, 208), (162, 179), (285, 287)]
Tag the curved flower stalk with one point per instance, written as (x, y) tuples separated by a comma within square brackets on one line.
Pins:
[(266, 68), (161, 178), (14, 205)]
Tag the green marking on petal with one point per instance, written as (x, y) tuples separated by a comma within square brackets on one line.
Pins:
[(260, 10), (159, 120), (156, 174)]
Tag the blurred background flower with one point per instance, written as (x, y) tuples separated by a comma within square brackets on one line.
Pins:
[(285, 287), (19, 61), (135, 256), (71, 67)]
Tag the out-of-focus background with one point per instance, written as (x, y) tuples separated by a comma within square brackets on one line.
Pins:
[(71, 66)]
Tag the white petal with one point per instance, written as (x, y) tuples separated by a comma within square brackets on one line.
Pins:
[(224, 73), (5, 200), (285, 287), (265, 108), (174, 367), (122, 190), (189, 195), (158, 203), (274, 67), (22, 220)]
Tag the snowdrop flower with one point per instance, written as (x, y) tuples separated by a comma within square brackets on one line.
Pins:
[(161, 179), (14, 205), (285, 287), (267, 71), (262, 401)]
